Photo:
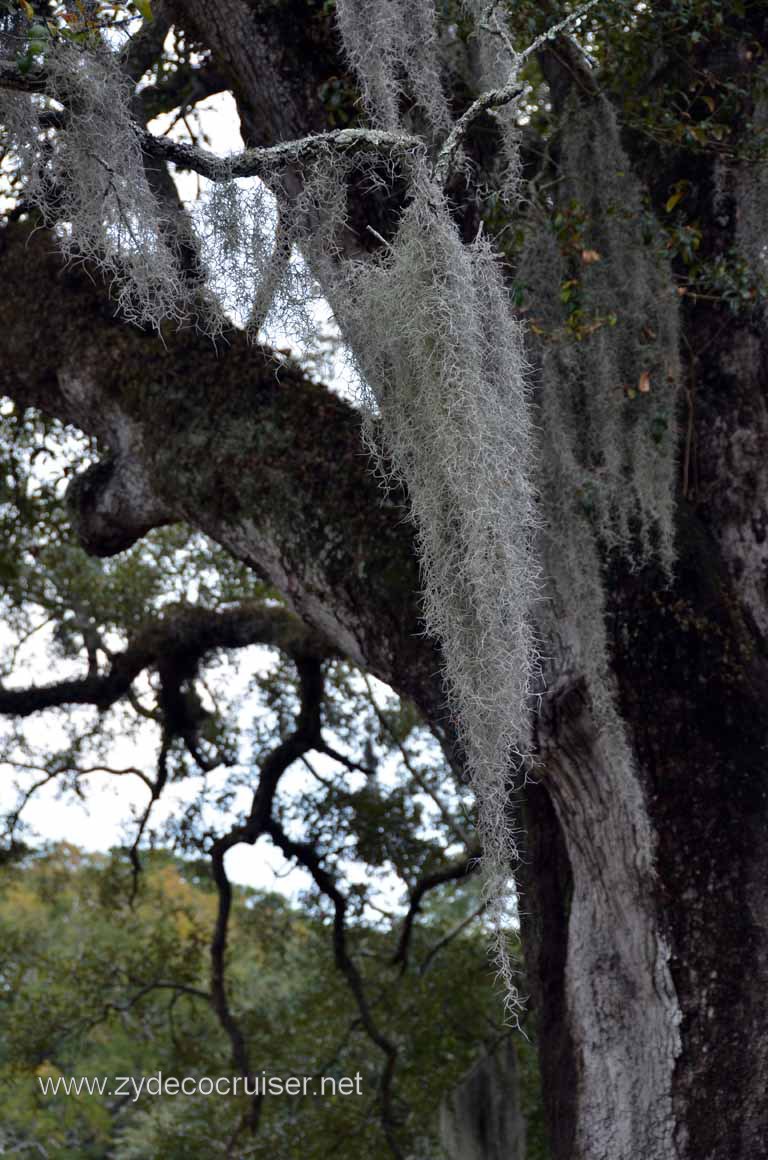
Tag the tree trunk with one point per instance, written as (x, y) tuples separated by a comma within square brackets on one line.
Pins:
[(645, 889)]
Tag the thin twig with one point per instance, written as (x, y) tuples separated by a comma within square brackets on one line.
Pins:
[(457, 830), (447, 938), (454, 872)]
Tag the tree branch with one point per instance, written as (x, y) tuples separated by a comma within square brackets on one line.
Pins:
[(188, 632), (449, 820), (493, 99), (237, 442), (304, 737), (498, 98), (449, 936), (267, 162), (450, 873), (306, 855)]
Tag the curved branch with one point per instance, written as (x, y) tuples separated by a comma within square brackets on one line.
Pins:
[(191, 632), (257, 162), (450, 873), (14, 817), (156, 789), (306, 855), (304, 737), (493, 99), (498, 98), (239, 444), (450, 935), (267, 161), (565, 68), (451, 822), (219, 997)]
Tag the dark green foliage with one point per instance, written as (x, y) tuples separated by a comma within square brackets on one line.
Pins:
[(92, 987)]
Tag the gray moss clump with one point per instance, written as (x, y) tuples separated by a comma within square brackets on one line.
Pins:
[(608, 372), (443, 362), (91, 184), (392, 45)]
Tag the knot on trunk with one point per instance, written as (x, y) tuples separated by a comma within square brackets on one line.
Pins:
[(112, 505)]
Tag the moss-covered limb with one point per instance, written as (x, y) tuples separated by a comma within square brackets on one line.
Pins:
[(240, 445), (264, 163)]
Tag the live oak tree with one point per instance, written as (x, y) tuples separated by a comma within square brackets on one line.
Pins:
[(572, 410)]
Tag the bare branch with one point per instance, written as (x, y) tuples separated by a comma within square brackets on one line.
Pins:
[(307, 856), (347, 762), (159, 985), (493, 99), (450, 873), (156, 789), (49, 775), (499, 97), (189, 631), (219, 997), (450, 935), (305, 737), (557, 29), (450, 821)]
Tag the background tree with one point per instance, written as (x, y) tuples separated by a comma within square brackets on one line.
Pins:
[(97, 988), (97, 950), (641, 160)]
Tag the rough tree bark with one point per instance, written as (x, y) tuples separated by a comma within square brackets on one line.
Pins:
[(643, 894)]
